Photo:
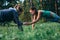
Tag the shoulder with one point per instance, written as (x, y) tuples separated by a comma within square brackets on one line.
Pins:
[(40, 10), (12, 9)]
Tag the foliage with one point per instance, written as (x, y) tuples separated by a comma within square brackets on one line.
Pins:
[(51, 5)]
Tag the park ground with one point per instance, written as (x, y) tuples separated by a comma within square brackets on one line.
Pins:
[(42, 31)]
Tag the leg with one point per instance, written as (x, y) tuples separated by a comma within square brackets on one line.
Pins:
[(33, 26), (55, 17)]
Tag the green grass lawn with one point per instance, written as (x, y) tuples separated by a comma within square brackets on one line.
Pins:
[(42, 31)]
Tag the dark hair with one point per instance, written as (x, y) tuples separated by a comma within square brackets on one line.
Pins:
[(34, 8), (20, 9)]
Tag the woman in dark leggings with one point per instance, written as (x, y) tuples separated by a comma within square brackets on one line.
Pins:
[(36, 14)]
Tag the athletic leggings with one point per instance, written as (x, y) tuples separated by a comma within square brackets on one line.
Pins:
[(55, 17)]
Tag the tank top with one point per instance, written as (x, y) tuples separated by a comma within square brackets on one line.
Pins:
[(45, 13)]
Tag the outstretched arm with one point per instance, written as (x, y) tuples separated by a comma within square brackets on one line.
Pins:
[(33, 18), (19, 23), (38, 17), (29, 23)]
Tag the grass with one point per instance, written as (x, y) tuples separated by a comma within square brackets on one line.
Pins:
[(42, 31)]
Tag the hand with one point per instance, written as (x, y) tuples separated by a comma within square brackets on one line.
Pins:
[(26, 23)]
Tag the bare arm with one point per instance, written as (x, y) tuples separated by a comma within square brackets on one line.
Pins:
[(33, 19), (38, 17)]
